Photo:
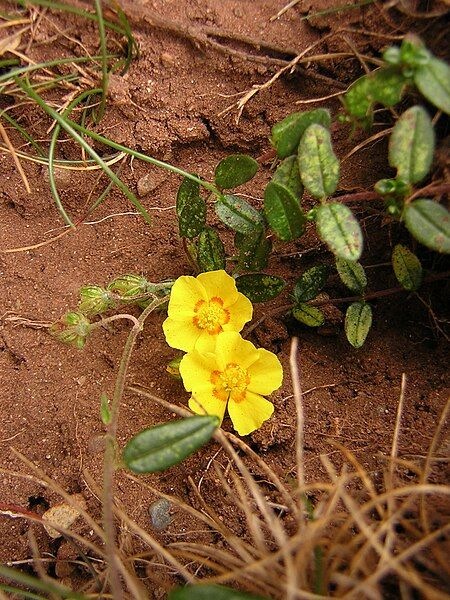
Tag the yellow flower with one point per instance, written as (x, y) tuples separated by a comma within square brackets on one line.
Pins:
[(237, 373), (202, 307)]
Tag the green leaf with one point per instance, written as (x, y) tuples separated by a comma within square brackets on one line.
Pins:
[(433, 81), (352, 275), (309, 315), (387, 86), (358, 320), (411, 145), (429, 223), (283, 212), (191, 209), (105, 413), (357, 101), (260, 287), (407, 267), (254, 250), (319, 166), (286, 134), (161, 447), (207, 592), (238, 214), (339, 229), (235, 170), (309, 284), (288, 175), (210, 251)]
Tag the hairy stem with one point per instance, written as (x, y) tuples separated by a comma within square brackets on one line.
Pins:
[(110, 449)]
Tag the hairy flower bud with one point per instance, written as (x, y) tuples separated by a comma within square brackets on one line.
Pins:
[(73, 329), (129, 286), (94, 300)]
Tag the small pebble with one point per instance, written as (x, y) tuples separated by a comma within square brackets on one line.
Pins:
[(148, 183), (160, 514)]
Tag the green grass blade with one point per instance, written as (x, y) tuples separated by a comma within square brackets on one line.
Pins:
[(48, 586), (132, 47), (23, 132), (72, 9), (67, 125), (154, 161), (51, 63), (98, 114), (20, 593), (51, 154)]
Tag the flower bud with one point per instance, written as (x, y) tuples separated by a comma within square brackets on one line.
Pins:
[(73, 329), (129, 286), (392, 55), (173, 368), (385, 187), (94, 300)]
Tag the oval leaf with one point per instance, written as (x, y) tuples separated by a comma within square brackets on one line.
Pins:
[(358, 320), (238, 214), (288, 175), (411, 145), (207, 592), (191, 209), (407, 267), (319, 166), (309, 315), (433, 81), (357, 100), (235, 170), (210, 251), (310, 283), (260, 287), (254, 250), (283, 212), (352, 275), (387, 86), (163, 446), (286, 134), (339, 229), (429, 223)]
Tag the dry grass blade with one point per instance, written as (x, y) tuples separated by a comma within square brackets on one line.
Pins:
[(59, 490), (15, 158), (298, 397)]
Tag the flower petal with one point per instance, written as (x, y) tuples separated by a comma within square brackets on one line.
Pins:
[(185, 294), (219, 284), (240, 313), (249, 414), (266, 373), (181, 334), (231, 348), (209, 404), (195, 371), (205, 342)]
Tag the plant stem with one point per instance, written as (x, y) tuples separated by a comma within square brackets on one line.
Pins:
[(110, 449), (284, 308), (103, 322)]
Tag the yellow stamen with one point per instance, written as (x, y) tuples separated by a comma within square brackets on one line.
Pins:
[(230, 384), (211, 315)]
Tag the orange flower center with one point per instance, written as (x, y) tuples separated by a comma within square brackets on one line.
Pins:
[(211, 315), (231, 383)]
